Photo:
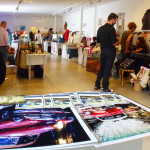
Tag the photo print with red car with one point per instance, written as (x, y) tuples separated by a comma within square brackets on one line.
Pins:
[(42, 127)]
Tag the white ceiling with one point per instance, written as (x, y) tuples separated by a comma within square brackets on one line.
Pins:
[(43, 7)]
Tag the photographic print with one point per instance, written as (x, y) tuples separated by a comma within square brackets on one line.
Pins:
[(117, 122), (91, 99), (121, 100), (47, 101), (75, 100), (42, 127), (62, 102), (32, 102), (109, 98)]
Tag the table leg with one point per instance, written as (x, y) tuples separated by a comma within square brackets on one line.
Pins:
[(43, 66), (122, 76), (29, 72)]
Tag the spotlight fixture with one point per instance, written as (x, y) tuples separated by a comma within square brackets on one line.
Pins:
[(91, 2), (99, 0)]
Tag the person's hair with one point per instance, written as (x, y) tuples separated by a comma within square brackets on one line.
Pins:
[(38, 31), (132, 25), (50, 29), (112, 16), (94, 38), (3, 22), (142, 43)]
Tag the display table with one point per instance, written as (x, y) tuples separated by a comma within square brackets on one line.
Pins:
[(83, 55), (55, 48), (46, 45), (35, 59), (130, 145), (64, 51), (65, 121), (15, 46), (65, 47)]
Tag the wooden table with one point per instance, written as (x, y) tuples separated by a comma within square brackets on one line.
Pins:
[(35, 59)]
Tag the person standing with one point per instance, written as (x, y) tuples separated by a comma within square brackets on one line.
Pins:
[(38, 39), (107, 38), (16, 36), (4, 45)]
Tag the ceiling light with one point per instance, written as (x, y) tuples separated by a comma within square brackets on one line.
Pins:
[(28, 1), (91, 2)]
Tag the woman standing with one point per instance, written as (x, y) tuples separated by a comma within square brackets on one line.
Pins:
[(38, 40)]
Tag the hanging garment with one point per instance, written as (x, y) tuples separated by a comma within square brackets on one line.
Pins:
[(146, 20), (147, 40)]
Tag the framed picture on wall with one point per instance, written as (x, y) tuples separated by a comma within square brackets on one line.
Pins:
[(121, 21), (21, 27)]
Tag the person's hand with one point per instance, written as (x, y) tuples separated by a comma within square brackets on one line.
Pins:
[(126, 52)]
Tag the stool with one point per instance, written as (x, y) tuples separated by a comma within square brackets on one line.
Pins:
[(12, 67), (121, 73)]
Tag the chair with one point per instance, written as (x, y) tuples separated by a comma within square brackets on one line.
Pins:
[(121, 74)]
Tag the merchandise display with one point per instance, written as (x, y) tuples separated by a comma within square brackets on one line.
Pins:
[(50, 121), (127, 63), (61, 100), (44, 127), (4, 100), (120, 119)]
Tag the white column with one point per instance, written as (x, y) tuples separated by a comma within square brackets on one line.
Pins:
[(96, 22), (55, 24), (81, 22)]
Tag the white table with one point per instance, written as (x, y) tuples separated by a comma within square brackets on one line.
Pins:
[(46, 45), (15, 46), (54, 47), (83, 55), (35, 59), (65, 47)]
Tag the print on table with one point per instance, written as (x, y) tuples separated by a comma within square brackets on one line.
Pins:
[(92, 100), (44, 127), (31, 103), (110, 99), (121, 100), (62, 102), (116, 122), (47, 101), (75, 100)]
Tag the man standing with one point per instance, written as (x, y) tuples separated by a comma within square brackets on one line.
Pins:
[(107, 38), (4, 44)]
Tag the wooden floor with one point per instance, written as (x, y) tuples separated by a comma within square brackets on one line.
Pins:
[(62, 75)]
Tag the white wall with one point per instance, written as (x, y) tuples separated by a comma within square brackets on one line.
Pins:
[(43, 23), (134, 11), (74, 21)]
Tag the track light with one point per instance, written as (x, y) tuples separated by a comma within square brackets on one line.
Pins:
[(91, 2)]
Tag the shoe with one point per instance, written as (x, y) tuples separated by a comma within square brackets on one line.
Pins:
[(97, 87), (107, 90), (6, 79)]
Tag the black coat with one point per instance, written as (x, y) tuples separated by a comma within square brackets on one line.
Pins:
[(146, 20)]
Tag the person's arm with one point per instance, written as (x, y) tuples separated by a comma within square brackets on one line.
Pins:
[(98, 36), (128, 42), (118, 42), (113, 37), (6, 39), (137, 50)]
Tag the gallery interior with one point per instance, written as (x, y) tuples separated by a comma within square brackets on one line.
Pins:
[(48, 94)]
